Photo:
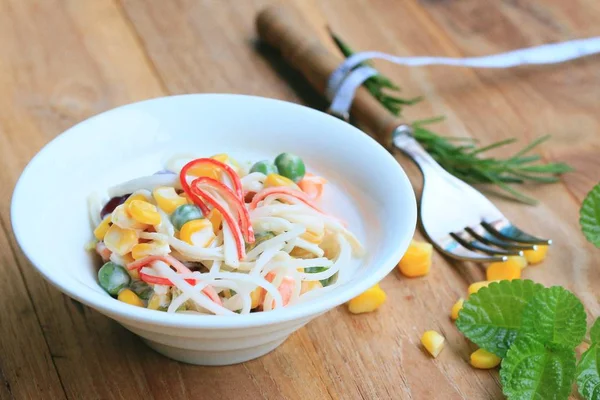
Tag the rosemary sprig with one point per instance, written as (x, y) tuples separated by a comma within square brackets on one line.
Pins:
[(465, 160)]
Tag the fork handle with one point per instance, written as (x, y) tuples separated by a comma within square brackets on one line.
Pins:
[(286, 29), (404, 141)]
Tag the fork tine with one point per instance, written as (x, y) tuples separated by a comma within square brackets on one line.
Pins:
[(511, 232), (453, 249), (474, 245), (493, 241)]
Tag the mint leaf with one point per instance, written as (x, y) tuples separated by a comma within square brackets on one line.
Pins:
[(491, 318), (532, 370), (555, 315), (595, 332), (589, 216), (588, 372)]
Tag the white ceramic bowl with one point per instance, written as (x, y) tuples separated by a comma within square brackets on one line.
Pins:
[(50, 217)]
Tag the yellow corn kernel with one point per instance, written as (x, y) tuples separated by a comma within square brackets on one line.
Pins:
[(368, 301), (256, 296), (433, 342), (312, 237), (197, 232), (121, 217), (167, 198), (137, 196), (536, 256), (474, 287), (456, 308), (119, 240), (508, 270), (215, 218), (102, 228), (307, 286), (143, 212), (208, 170), (277, 180), (152, 248), (129, 297), (483, 359), (417, 259)]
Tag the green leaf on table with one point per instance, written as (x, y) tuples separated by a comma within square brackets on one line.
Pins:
[(588, 373), (595, 331), (555, 315), (532, 370), (491, 318), (589, 216)]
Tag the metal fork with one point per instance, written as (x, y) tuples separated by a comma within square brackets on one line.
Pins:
[(461, 222)]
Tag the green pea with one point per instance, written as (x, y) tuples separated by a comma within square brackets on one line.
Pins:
[(258, 239), (142, 289), (291, 166), (113, 278), (324, 282), (185, 213), (265, 166)]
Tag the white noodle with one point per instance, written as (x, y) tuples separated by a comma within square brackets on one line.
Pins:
[(253, 182), (284, 237), (308, 246), (146, 182), (201, 299), (272, 224), (264, 258), (95, 206), (193, 253)]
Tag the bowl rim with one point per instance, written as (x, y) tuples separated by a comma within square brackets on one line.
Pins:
[(126, 313)]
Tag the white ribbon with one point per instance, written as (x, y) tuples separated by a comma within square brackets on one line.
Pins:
[(346, 79)]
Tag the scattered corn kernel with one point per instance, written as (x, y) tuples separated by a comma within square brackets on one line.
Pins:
[(279, 180), (135, 196), (536, 256), (368, 301), (433, 342), (167, 198), (152, 248), (417, 259), (198, 232), (509, 269), (307, 286), (102, 228), (456, 308), (129, 297), (474, 287), (119, 240), (483, 359), (143, 212)]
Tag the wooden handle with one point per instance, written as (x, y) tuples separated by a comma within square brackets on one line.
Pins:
[(286, 29)]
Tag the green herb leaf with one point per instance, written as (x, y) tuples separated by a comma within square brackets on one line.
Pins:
[(491, 318), (466, 162), (532, 370), (589, 216), (588, 373), (595, 331), (555, 315)]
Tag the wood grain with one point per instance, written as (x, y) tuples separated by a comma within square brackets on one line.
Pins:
[(63, 61)]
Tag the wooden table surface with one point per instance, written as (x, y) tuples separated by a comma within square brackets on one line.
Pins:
[(62, 61)]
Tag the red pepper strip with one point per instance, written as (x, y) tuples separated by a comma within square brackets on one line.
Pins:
[(283, 190), (229, 219), (172, 261), (230, 198), (209, 291), (188, 191), (157, 280), (233, 176)]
